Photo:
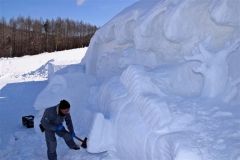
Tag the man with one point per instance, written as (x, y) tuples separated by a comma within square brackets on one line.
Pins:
[(52, 123)]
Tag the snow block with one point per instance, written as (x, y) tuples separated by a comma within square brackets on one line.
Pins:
[(100, 138)]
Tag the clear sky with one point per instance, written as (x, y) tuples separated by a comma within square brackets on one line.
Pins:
[(96, 12)]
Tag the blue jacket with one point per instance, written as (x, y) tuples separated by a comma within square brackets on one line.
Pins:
[(51, 119)]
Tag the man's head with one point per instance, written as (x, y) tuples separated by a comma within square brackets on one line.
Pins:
[(64, 107)]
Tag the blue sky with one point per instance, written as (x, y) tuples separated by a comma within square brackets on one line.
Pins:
[(96, 12)]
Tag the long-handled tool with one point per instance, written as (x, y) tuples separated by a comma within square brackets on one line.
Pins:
[(84, 142)]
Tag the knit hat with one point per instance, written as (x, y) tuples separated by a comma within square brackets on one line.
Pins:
[(64, 104)]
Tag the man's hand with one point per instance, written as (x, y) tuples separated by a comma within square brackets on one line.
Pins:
[(60, 127)]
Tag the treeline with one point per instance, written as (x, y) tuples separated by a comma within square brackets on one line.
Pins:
[(25, 36)]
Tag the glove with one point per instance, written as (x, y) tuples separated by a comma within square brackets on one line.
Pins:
[(73, 134), (60, 127)]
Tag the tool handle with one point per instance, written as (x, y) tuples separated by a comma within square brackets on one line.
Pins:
[(78, 138)]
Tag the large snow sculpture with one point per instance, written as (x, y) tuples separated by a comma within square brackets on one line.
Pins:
[(156, 52)]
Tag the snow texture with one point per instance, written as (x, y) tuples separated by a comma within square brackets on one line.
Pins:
[(174, 65)]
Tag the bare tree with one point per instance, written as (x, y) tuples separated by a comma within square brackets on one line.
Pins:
[(23, 36)]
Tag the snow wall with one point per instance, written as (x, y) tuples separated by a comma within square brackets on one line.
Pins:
[(202, 37), (156, 79), (147, 57)]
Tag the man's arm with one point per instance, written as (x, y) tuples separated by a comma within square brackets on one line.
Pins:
[(69, 124), (46, 122)]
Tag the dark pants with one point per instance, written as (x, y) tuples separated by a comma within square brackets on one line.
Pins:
[(52, 142)]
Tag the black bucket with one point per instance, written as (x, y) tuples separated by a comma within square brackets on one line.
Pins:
[(28, 121)]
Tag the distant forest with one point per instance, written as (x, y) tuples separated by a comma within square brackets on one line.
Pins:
[(26, 36)]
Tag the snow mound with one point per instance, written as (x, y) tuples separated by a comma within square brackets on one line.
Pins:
[(163, 65), (36, 67)]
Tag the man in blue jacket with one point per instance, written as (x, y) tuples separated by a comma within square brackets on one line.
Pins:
[(52, 123)]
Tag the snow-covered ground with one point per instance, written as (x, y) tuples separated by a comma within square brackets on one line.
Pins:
[(160, 81), (22, 79), (34, 68)]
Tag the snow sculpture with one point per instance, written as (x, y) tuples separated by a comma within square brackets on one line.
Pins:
[(170, 79), (146, 97), (143, 57), (137, 128), (214, 68)]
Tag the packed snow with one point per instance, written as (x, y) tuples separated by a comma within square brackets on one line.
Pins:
[(160, 81), (23, 80), (35, 68), (170, 81)]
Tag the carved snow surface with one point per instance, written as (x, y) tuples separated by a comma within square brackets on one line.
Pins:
[(141, 99), (134, 110), (147, 96), (214, 69), (172, 146), (226, 12), (157, 63), (138, 105)]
